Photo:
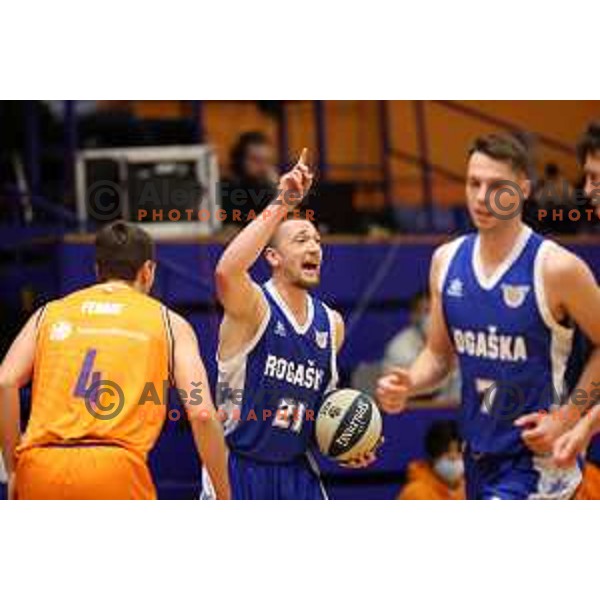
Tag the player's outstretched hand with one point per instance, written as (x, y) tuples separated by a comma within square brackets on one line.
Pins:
[(393, 390), (541, 430), (294, 185), (571, 444), (365, 460)]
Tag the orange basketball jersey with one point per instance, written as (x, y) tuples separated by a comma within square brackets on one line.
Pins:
[(101, 370)]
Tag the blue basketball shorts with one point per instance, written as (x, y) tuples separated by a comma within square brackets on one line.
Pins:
[(521, 476), (254, 480)]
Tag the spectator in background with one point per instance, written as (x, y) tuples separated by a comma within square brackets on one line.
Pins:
[(441, 476), (406, 345), (555, 195), (555, 184), (253, 181)]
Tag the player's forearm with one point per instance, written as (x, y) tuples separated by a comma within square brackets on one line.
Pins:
[(586, 395), (10, 431), (210, 442), (247, 246), (593, 420), (429, 371)]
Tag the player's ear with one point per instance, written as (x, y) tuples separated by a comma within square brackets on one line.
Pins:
[(146, 275), (272, 256), (525, 185)]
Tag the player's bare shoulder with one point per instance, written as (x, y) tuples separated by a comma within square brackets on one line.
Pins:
[(440, 262), (561, 267), (339, 328)]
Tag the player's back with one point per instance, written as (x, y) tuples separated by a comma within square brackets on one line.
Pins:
[(100, 353)]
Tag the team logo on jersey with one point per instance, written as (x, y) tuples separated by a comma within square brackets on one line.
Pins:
[(280, 329), (321, 339), (514, 295), (455, 288), (60, 331)]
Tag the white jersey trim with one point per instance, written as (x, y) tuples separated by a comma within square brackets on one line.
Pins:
[(488, 283), (562, 337), (310, 311), (232, 372), (208, 490), (451, 250), (314, 467), (333, 381), (555, 483), (250, 345), (540, 289)]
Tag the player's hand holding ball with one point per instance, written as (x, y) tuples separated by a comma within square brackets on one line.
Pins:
[(295, 184), (364, 460), (393, 390), (348, 428)]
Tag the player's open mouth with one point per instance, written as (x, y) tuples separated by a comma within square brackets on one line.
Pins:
[(310, 267)]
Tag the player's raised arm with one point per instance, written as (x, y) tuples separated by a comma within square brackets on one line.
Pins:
[(434, 363), (238, 294), (15, 372), (190, 377)]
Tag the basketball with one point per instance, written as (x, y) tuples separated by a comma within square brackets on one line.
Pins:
[(348, 425)]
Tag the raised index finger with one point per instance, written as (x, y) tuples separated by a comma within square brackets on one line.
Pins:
[(303, 157)]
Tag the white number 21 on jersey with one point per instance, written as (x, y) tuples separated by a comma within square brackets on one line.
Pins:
[(290, 415)]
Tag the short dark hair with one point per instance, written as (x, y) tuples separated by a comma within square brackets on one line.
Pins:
[(240, 148), (589, 143), (299, 214), (505, 147), (439, 436), (121, 250)]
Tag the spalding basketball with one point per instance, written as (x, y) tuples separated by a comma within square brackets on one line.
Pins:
[(348, 425)]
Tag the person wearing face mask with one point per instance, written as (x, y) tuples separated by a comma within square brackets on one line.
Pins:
[(441, 475), (403, 349)]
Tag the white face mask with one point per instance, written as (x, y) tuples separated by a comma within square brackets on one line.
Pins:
[(450, 470)]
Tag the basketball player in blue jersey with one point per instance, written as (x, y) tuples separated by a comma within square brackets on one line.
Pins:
[(277, 351), (504, 301)]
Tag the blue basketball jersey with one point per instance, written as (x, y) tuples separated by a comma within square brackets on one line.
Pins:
[(273, 390), (512, 353)]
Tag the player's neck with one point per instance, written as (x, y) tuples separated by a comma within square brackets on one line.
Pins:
[(497, 244), (294, 297), (121, 283)]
